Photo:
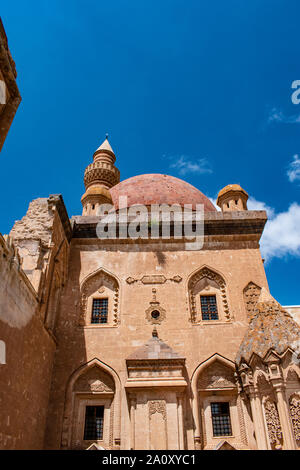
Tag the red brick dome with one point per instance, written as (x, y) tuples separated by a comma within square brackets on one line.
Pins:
[(159, 189)]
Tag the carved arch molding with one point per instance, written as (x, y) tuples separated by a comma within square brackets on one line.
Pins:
[(220, 380), (217, 279), (95, 282), (92, 382)]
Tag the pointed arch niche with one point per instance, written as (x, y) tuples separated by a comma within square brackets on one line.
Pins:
[(99, 285), (93, 384), (206, 281), (214, 381)]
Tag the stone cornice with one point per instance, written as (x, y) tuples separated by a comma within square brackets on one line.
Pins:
[(58, 202), (177, 383), (155, 363), (246, 225)]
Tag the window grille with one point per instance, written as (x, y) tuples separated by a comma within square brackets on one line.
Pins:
[(209, 307), (93, 429), (100, 311), (221, 419)]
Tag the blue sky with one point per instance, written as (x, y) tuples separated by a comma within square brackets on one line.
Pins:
[(197, 89)]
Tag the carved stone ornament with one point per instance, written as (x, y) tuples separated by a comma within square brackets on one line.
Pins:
[(216, 376), (273, 423), (154, 279), (213, 276), (295, 415), (251, 295), (155, 314), (157, 406), (98, 386), (94, 380)]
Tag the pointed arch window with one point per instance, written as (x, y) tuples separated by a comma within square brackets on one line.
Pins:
[(99, 305), (208, 297)]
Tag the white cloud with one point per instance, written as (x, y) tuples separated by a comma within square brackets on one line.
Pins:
[(254, 205), (185, 165), (293, 171), (277, 116), (214, 201), (281, 235)]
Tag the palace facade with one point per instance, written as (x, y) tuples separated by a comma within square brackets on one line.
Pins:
[(122, 343)]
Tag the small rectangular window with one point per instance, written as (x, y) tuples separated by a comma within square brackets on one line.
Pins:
[(221, 419), (100, 311), (209, 307), (93, 429)]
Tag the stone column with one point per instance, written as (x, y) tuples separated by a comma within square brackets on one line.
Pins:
[(132, 421), (284, 416), (180, 422), (196, 411), (258, 420)]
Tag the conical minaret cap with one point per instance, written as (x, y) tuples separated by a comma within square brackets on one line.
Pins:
[(105, 148)]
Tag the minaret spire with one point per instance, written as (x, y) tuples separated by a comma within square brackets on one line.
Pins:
[(99, 177)]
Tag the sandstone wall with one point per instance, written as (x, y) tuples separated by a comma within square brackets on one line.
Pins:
[(112, 344), (33, 268), (25, 378)]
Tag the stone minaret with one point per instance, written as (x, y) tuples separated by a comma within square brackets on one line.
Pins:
[(232, 198), (99, 177)]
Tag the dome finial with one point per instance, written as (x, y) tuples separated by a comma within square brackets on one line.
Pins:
[(106, 136)]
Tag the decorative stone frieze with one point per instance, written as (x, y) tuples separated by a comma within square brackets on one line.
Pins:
[(157, 406), (251, 295), (154, 279), (273, 423), (294, 403)]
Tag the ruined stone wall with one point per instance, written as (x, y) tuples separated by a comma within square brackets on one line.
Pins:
[(42, 239), (33, 269), (9, 93), (25, 377)]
